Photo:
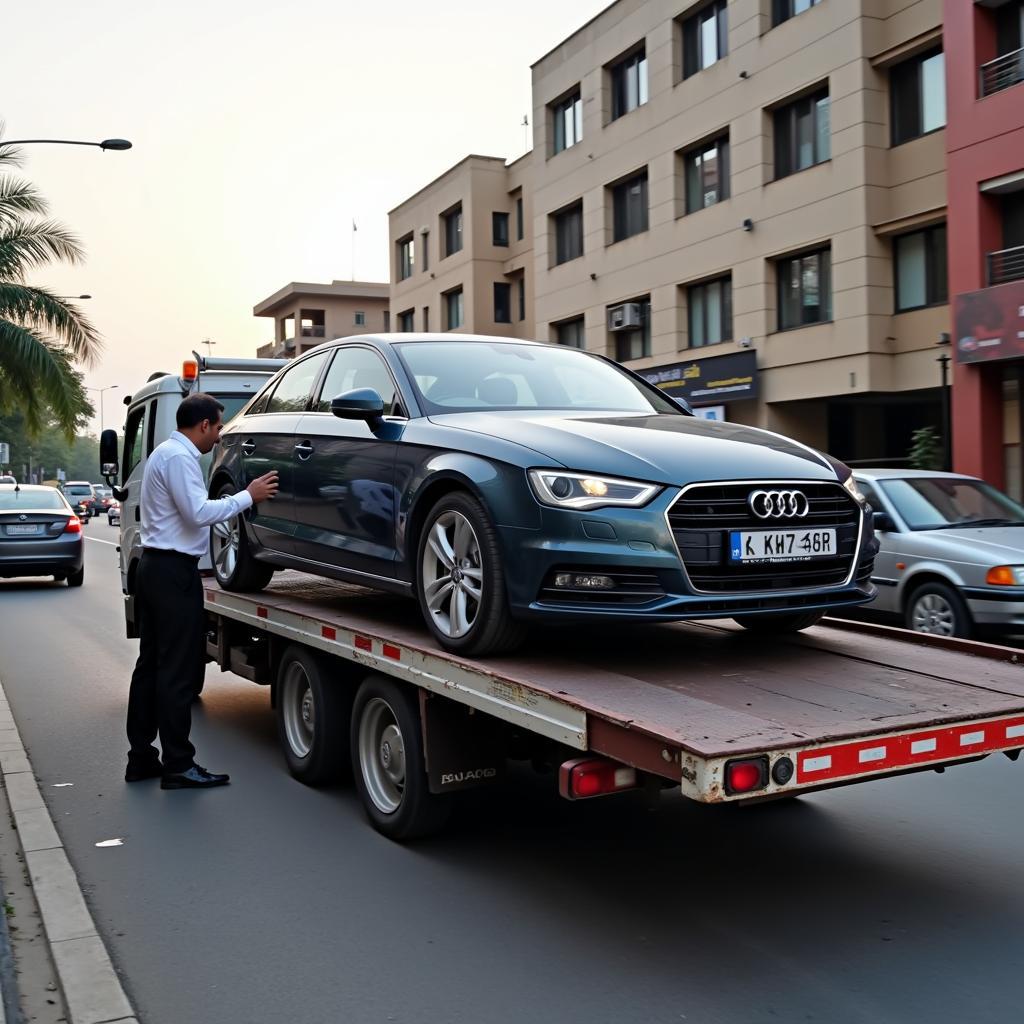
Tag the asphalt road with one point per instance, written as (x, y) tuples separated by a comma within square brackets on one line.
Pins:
[(270, 903)]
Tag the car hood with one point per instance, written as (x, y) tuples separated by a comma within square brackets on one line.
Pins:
[(661, 448), (983, 545)]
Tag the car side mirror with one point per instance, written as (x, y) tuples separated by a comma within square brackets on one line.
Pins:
[(683, 404), (884, 523), (108, 454), (360, 404)]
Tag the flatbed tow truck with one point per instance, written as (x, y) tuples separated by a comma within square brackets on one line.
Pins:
[(707, 709)]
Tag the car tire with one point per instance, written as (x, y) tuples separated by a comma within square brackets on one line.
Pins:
[(313, 718), (76, 579), (787, 622), (938, 610), (388, 763), (464, 618), (233, 562)]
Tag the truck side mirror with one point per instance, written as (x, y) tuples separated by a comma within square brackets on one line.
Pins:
[(108, 454)]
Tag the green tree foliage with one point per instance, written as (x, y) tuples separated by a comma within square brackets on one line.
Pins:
[(925, 450), (41, 335)]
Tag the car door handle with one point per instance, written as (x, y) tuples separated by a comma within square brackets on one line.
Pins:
[(303, 449), (248, 447)]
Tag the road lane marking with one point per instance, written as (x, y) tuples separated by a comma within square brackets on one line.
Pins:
[(112, 543)]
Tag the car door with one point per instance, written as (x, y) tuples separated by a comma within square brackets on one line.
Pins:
[(266, 439), (886, 576), (345, 505)]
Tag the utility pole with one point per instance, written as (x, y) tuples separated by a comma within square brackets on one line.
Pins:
[(209, 345)]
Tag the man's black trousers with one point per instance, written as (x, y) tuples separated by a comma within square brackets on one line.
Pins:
[(172, 659)]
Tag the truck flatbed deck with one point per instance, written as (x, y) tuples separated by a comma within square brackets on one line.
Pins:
[(840, 702)]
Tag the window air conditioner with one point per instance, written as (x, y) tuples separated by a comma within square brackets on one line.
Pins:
[(625, 317)]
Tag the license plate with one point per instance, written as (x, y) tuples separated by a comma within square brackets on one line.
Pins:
[(24, 529), (781, 545)]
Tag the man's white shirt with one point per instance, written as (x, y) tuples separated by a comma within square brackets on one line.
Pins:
[(175, 511)]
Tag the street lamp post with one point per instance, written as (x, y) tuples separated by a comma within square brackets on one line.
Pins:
[(101, 390), (947, 447), (113, 144)]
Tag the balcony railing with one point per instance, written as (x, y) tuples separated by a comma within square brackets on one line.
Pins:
[(316, 331), (1006, 265), (1002, 72)]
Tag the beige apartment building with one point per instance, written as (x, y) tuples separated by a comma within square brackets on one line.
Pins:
[(743, 200), (306, 314)]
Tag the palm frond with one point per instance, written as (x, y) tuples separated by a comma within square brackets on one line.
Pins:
[(44, 312), (8, 154), (18, 198), (33, 244)]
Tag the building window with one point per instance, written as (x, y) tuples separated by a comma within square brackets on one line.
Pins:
[(453, 309), (783, 10), (360, 318), (710, 312), (406, 258), (499, 229), (805, 289), (1007, 69), (920, 268), (425, 249), (426, 318), (405, 321), (387, 321), (452, 230), (502, 302), (707, 174), (522, 298), (635, 343), (566, 122), (629, 207), (570, 333), (629, 83), (568, 225), (705, 38), (802, 133), (519, 218), (918, 91)]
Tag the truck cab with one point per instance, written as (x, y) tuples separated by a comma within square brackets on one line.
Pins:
[(151, 419)]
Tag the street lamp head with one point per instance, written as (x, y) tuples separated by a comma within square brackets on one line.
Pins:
[(118, 144)]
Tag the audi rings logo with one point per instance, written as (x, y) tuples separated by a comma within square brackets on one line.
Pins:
[(779, 504)]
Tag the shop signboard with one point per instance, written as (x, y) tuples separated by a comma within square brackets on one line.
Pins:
[(709, 381), (990, 324)]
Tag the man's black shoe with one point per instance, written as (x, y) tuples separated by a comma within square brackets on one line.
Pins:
[(196, 777), (139, 773)]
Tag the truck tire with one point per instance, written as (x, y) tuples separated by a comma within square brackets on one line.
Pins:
[(388, 764), (460, 580), (787, 622), (937, 609), (76, 579), (233, 562), (313, 714)]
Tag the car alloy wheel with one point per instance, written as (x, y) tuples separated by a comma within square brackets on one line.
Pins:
[(452, 573), (225, 542), (932, 613)]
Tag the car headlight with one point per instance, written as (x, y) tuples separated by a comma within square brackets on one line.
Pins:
[(586, 490), (1005, 576), (851, 488)]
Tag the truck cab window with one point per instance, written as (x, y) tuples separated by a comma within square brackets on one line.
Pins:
[(134, 436)]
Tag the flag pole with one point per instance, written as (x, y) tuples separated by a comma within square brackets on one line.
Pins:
[(353, 248)]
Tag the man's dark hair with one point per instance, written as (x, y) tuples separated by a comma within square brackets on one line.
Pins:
[(196, 408)]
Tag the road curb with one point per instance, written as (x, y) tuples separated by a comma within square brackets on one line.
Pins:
[(90, 985)]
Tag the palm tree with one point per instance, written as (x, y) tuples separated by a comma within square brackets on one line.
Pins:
[(41, 335)]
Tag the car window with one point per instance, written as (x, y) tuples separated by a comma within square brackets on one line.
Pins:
[(47, 499), (871, 494), (929, 503), (356, 367), (134, 433), (296, 385)]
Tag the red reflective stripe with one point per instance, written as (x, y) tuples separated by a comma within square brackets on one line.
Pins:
[(885, 753), (364, 643), (391, 651), (261, 611), (328, 632)]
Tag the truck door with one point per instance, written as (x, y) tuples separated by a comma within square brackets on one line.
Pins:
[(345, 504)]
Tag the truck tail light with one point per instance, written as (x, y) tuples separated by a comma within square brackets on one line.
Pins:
[(594, 776), (73, 526), (746, 776)]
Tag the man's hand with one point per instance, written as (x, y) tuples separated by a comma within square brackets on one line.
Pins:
[(263, 487)]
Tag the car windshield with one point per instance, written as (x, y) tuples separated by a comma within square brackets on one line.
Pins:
[(46, 500), (943, 503), (465, 376)]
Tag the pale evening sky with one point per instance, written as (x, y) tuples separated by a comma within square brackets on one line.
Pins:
[(261, 129)]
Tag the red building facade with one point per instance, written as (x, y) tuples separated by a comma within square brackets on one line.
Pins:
[(984, 46)]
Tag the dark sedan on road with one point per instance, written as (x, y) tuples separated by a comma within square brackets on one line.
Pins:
[(503, 481), (40, 534)]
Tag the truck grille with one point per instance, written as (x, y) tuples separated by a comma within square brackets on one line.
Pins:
[(702, 517)]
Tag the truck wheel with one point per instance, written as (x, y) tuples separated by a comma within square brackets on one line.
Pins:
[(233, 562), (388, 763), (312, 718), (937, 609), (76, 579), (791, 622), (461, 582)]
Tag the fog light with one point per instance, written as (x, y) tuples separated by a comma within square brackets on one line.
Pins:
[(579, 581), (782, 771), (746, 776)]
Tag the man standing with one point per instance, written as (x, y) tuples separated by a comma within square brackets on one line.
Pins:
[(175, 516)]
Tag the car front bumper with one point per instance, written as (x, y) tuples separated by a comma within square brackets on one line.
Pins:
[(1002, 610)]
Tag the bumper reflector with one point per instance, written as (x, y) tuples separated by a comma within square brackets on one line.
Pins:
[(746, 776), (585, 777)]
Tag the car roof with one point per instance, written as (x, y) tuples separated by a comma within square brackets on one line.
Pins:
[(908, 474), (414, 336)]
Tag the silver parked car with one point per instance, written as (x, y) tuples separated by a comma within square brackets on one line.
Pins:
[(951, 558)]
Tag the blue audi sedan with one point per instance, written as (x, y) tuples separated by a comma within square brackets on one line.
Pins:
[(503, 482)]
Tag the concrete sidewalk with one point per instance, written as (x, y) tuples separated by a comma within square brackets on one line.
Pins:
[(89, 984)]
